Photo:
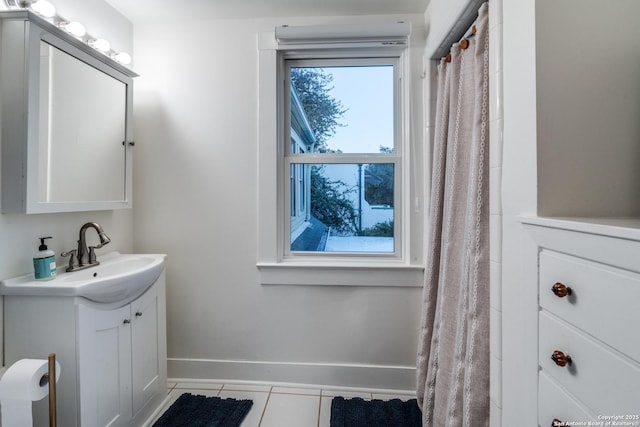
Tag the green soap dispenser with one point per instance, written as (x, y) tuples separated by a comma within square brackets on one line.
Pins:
[(44, 262)]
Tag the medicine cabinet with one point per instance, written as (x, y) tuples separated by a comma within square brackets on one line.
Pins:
[(66, 121)]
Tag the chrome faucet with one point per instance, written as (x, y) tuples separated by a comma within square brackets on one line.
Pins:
[(85, 257)]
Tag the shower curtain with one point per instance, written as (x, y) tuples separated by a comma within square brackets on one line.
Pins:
[(453, 352)]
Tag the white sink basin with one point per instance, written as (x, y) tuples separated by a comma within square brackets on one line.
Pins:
[(119, 277)]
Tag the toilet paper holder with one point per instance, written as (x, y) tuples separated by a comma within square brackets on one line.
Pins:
[(51, 373), (24, 382), (44, 380)]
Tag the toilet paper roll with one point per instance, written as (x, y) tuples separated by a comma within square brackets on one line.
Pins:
[(16, 413), (22, 380), (20, 385)]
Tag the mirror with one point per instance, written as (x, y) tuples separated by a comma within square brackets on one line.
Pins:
[(66, 121), (81, 154)]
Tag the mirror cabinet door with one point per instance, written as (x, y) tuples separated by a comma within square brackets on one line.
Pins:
[(82, 120)]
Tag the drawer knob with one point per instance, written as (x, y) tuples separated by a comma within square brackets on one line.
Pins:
[(561, 290), (561, 359)]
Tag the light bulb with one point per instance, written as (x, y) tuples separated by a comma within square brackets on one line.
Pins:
[(100, 44), (122, 57), (75, 28), (44, 8)]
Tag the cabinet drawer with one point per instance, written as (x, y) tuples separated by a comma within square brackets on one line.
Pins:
[(602, 380), (604, 301), (555, 403)]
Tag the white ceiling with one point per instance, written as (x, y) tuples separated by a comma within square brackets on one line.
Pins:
[(140, 11)]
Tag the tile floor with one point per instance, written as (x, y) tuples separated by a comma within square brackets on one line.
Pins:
[(278, 405)]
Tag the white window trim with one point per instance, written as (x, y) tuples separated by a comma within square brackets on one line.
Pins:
[(354, 270)]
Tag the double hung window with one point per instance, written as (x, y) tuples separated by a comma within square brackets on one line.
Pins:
[(344, 159), (334, 171)]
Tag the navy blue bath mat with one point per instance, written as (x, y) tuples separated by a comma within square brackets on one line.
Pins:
[(358, 412), (200, 411)]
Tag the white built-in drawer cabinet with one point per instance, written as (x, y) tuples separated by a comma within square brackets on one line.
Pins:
[(588, 321)]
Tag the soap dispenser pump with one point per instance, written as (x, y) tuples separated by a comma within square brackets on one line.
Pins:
[(44, 262)]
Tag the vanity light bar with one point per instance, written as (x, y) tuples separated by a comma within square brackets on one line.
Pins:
[(46, 9), (100, 44), (74, 28), (121, 57)]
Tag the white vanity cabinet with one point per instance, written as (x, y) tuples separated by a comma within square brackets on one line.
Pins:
[(588, 346), (112, 356)]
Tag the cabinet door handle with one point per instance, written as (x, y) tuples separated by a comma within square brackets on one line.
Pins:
[(561, 359), (138, 313), (126, 321), (561, 290)]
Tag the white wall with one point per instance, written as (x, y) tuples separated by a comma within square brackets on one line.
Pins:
[(196, 200), (519, 193), (19, 233), (588, 99)]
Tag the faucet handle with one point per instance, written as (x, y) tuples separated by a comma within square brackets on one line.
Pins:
[(71, 253), (73, 259), (92, 254)]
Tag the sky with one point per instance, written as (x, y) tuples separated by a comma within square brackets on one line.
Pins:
[(367, 94)]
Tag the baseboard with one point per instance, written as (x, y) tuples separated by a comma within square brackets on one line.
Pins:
[(328, 374)]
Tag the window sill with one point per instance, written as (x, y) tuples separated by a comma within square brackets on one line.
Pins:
[(346, 274)]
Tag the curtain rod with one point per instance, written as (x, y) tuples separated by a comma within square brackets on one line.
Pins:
[(464, 43), (466, 18)]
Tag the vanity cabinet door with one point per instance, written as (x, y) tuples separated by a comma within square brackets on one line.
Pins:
[(104, 366), (146, 369), (122, 360)]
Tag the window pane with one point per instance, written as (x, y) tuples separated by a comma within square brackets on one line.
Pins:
[(351, 208), (346, 109)]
